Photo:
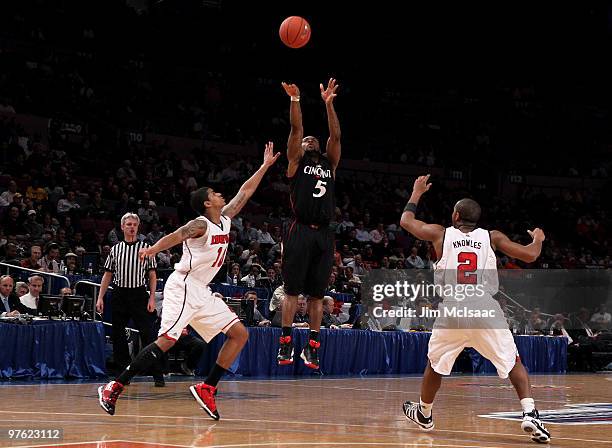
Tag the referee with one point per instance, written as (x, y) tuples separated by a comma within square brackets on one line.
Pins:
[(129, 277)]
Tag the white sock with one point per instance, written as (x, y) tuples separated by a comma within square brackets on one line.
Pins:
[(425, 408), (528, 405)]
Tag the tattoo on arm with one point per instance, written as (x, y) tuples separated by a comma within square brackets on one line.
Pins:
[(193, 229), (235, 204)]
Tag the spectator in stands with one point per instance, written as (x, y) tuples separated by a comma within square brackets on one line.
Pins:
[(376, 235), (21, 288), (414, 261), (33, 261), (258, 318), (264, 236), (155, 234), (234, 277), (537, 322), (346, 225), (6, 198), (11, 255), (35, 192), (32, 228), (581, 323), (248, 233), (329, 320), (97, 209), (62, 242), (601, 319), (12, 222), (30, 300), (66, 291), (147, 211), (362, 234), (68, 203), (358, 266), (557, 327), (10, 305), (301, 318), (253, 276), (421, 322), (50, 262), (72, 266), (274, 281)]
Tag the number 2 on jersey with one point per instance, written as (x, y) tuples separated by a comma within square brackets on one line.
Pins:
[(219, 261), (466, 269), (321, 187)]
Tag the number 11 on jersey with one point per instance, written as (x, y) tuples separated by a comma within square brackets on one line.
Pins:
[(219, 261)]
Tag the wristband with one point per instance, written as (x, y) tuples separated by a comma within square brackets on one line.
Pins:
[(410, 207), (295, 99)]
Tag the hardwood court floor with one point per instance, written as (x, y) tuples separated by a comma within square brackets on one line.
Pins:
[(304, 413)]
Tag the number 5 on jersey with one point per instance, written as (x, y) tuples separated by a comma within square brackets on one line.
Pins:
[(320, 186)]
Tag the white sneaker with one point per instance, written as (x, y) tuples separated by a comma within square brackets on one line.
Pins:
[(412, 411), (532, 425)]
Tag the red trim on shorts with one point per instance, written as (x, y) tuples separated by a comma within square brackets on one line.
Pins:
[(165, 335), (232, 321)]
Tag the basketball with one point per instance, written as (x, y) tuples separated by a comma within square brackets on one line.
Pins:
[(294, 32)]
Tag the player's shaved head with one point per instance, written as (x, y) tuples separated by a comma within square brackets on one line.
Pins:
[(197, 199), (468, 212)]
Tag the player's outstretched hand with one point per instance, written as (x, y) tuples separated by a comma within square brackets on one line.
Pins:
[(537, 234), (421, 185), (329, 94), (291, 89), (269, 156), (143, 253)]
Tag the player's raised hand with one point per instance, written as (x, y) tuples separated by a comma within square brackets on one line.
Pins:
[(291, 89), (329, 94), (537, 234), (269, 156), (421, 184), (144, 253)]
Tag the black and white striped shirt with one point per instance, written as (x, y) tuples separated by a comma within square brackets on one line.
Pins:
[(128, 271)]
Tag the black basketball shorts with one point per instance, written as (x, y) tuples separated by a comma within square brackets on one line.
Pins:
[(308, 256)]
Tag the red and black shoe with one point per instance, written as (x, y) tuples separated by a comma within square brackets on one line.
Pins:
[(310, 354), (285, 351), (204, 394), (108, 395)]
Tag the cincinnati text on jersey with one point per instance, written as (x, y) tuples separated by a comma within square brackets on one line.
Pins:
[(317, 171)]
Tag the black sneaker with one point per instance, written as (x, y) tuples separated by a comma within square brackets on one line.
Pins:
[(532, 425), (285, 351), (310, 354), (159, 381), (412, 411)]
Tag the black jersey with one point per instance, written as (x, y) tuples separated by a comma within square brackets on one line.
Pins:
[(313, 199)]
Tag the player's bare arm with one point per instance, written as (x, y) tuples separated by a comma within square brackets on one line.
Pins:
[(294, 142), (527, 253), (420, 229), (193, 229), (333, 142), (250, 186)]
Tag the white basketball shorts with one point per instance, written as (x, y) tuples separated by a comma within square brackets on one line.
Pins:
[(189, 302), (497, 345)]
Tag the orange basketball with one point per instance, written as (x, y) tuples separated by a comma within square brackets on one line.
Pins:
[(294, 32)]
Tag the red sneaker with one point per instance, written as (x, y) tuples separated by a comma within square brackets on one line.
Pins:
[(108, 396), (285, 351), (204, 394)]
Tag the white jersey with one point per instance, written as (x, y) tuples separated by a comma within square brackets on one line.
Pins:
[(203, 256), (467, 259)]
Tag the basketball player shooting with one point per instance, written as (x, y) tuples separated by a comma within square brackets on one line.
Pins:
[(187, 298), (466, 255), (308, 246)]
